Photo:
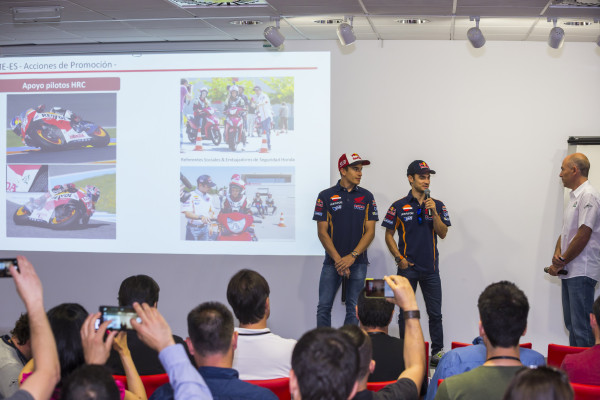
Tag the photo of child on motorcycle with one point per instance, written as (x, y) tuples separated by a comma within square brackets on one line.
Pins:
[(270, 202), (235, 200), (200, 104), (235, 101), (258, 203)]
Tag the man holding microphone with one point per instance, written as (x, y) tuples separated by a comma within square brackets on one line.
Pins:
[(420, 220)]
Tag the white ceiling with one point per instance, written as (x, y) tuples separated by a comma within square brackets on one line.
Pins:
[(135, 21)]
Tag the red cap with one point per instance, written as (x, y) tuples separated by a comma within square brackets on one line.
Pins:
[(350, 159)]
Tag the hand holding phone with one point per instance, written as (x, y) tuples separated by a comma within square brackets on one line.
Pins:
[(5, 264), (377, 288), (120, 317)]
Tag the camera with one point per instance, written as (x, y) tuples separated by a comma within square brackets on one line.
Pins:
[(377, 288), (120, 317), (5, 264)]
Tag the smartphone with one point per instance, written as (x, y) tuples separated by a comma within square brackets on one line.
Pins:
[(5, 264), (120, 317), (377, 288)]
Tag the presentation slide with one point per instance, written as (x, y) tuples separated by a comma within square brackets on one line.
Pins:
[(165, 153)]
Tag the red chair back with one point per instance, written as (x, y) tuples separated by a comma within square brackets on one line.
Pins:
[(586, 392), (456, 345), (377, 386), (279, 386), (427, 358), (151, 382), (557, 352)]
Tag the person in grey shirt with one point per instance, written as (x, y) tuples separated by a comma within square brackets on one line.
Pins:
[(15, 351)]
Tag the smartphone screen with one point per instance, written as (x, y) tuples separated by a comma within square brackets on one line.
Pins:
[(377, 288), (5, 264), (120, 317)]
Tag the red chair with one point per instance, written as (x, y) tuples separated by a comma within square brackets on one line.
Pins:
[(586, 392), (456, 345), (557, 352), (377, 386), (279, 386), (151, 382), (427, 358)]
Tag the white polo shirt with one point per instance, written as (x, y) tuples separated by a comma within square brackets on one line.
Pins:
[(583, 209), (262, 355)]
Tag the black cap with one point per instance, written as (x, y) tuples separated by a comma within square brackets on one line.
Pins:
[(419, 167), (205, 180)]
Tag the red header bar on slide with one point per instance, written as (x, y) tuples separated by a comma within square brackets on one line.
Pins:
[(60, 85)]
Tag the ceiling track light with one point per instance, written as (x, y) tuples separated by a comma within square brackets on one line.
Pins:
[(345, 32), (273, 35), (557, 35), (474, 34)]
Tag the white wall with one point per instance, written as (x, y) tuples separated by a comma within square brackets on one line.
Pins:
[(493, 122)]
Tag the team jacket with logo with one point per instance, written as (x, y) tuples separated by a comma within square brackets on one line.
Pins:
[(416, 241), (346, 214)]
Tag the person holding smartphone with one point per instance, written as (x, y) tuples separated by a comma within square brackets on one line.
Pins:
[(420, 220)]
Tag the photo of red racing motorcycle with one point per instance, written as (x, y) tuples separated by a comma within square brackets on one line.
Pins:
[(57, 129), (64, 207)]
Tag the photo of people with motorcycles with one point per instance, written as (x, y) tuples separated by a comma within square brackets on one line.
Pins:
[(79, 202), (227, 204), (61, 128), (237, 115)]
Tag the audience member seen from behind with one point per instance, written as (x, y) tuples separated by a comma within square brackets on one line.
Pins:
[(324, 366), (466, 358), (141, 289), (260, 354), (15, 351), (374, 316), (541, 383), (156, 333), (584, 367), (409, 382), (46, 374), (503, 310), (212, 341), (90, 382)]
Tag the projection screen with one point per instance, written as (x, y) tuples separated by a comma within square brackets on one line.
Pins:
[(165, 153)]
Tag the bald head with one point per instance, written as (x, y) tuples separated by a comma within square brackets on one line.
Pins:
[(580, 161)]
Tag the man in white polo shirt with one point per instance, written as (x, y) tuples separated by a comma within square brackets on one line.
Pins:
[(260, 354), (577, 250), (199, 208)]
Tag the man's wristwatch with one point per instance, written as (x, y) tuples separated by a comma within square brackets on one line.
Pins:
[(398, 259), (354, 254), (412, 314)]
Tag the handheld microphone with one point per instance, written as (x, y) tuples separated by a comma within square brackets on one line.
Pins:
[(561, 272), (428, 195)]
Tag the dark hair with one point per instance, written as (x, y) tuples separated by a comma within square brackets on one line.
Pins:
[(503, 310), (210, 328), (596, 309), (326, 365), (374, 312), (362, 343), (21, 330), (140, 288), (90, 382), (247, 294), (66, 320), (539, 383)]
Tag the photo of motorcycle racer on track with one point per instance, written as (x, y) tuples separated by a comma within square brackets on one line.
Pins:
[(57, 129), (63, 207)]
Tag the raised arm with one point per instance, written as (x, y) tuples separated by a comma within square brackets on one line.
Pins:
[(414, 344), (46, 375), (154, 331)]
